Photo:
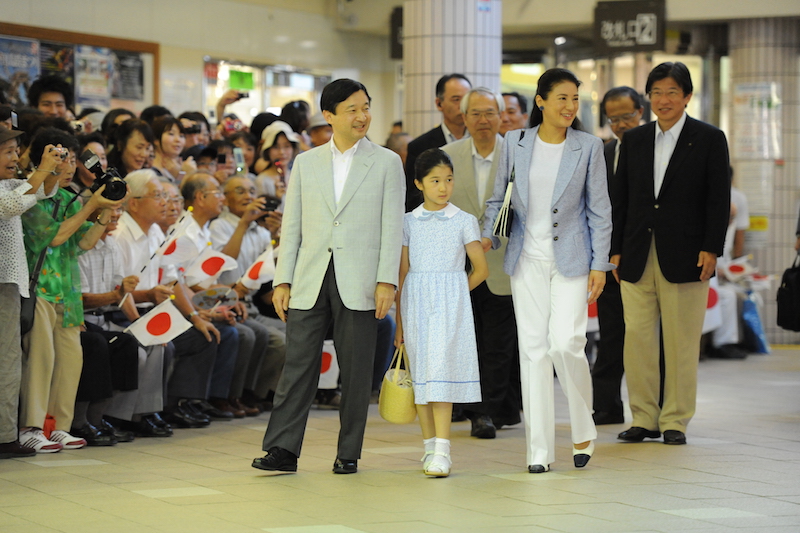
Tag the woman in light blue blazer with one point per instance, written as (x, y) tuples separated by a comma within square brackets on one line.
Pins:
[(557, 253)]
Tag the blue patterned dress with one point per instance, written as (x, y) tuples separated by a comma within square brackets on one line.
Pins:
[(438, 327)]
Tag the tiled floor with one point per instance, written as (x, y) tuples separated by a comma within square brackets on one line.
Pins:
[(740, 472)]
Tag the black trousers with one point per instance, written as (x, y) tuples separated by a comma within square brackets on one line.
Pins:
[(107, 367), (608, 368), (354, 335), (498, 357)]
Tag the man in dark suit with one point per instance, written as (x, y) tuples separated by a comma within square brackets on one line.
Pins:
[(671, 199), (450, 89), (623, 109)]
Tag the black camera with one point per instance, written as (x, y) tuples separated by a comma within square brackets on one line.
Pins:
[(116, 188), (193, 129)]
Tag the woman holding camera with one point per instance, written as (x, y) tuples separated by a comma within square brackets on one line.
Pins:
[(52, 367), (281, 145), (169, 143)]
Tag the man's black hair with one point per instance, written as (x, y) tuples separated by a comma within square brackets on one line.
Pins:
[(622, 92), (677, 71), (149, 114), (338, 91), (523, 102), (49, 84), (443, 81)]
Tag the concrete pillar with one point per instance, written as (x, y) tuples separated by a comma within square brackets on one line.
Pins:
[(442, 37), (768, 50)]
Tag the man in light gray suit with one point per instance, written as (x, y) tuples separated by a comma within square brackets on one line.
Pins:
[(475, 166), (338, 262)]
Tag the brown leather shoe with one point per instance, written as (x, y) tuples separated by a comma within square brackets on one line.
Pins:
[(237, 403), (223, 405)]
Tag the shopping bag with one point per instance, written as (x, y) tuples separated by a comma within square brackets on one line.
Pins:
[(789, 298), (396, 401)]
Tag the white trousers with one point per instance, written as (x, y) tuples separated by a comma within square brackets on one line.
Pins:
[(551, 315)]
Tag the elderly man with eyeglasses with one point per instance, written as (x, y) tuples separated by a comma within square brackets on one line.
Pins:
[(623, 109)]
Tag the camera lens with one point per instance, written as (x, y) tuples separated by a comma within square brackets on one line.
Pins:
[(115, 189)]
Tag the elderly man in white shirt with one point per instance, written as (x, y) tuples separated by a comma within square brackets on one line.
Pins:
[(241, 232)]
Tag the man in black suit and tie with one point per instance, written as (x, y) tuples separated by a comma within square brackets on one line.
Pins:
[(450, 89), (671, 201), (623, 109)]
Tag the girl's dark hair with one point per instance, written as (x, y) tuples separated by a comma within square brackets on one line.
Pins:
[(164, 124), (428, 160), (547, 82), (108, 126), (246, 136), (54, 136), (295, 114)]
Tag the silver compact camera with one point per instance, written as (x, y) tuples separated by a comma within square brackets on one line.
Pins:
[(60, 152)]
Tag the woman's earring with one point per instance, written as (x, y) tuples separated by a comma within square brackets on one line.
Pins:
[(541, 108)]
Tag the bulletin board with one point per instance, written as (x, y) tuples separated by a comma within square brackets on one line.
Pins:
[(105, 72)]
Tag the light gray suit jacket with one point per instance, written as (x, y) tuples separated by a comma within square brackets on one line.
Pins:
[(466, 196), (363, 233), (580, 209)]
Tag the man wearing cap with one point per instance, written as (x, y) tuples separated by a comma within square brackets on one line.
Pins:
[(16, 197), (319, 130)]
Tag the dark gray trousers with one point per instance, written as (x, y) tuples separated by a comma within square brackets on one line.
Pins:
[(354, 336)]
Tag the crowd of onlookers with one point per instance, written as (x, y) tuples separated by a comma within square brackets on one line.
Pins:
[(80, 379)]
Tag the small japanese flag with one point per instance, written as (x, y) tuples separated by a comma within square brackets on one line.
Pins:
[(176, 250), (713, 317), (261, 271), (207, 267), (160, 325)]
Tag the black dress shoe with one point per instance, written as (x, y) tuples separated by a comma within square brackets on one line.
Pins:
[(211, 411), (602, 418), (483, 427), (12, 450), (192, 410), (502, 422), (277, 459), (93, 436), (673, 436), (120, 434), (538, 469), (637, 434), (178, 417), (160, 422), (345, 466), (146, 427)]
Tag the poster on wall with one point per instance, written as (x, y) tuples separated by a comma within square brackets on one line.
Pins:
[(756, 120), (19, 66), (59, 59), (127, 82), (92, 77)]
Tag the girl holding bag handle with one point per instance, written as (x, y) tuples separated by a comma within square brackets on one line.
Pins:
[(434, 309)]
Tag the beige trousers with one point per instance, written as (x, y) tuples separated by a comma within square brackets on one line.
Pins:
[(51, 368), (680, 308)]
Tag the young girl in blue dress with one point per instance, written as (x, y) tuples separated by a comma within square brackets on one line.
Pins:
[(434, 308)]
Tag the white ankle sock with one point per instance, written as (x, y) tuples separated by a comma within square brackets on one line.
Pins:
[(430, 448), (442, 447)]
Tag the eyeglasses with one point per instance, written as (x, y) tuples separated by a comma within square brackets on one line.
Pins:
[(477, 115), (215, 192), (627, 117), (672, 94), (242, 190), (154, 196), (175, 200)]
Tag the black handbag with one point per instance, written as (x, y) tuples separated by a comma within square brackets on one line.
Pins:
[(789, 298), (28, 305)]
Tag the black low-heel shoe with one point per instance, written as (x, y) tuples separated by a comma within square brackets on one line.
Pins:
[(277, 459), (538, 469)]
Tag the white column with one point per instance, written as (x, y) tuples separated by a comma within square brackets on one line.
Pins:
[(444, 37)]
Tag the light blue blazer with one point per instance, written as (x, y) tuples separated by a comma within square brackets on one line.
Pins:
[(580, 209)]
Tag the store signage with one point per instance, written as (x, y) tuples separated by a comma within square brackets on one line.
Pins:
[(631, 26)]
